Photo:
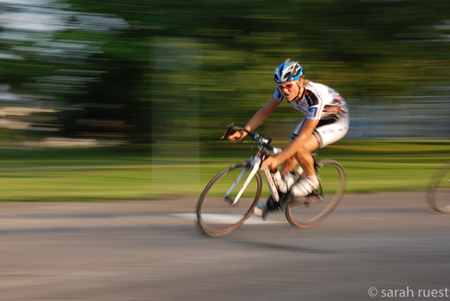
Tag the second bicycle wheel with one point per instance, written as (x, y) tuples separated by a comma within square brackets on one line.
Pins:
[(308, 212), (215, 214), (439, 191)]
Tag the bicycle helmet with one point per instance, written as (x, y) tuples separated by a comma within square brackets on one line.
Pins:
[(287, 71)]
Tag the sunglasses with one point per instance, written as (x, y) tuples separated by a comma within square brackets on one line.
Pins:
[(288, 86)]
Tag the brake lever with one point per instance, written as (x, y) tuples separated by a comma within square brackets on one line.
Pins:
[(229, 129)]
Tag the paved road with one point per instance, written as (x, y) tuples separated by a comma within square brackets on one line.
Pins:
[(150, 250)]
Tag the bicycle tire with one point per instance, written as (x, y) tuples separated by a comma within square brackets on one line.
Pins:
[(215, 215), (310, 211), (438, 196)]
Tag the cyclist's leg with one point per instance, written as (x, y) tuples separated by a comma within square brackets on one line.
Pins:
[(263, 208), (288, 168), (303, 156), (324, 134), (309, 211), (288, 165), (308, 182)]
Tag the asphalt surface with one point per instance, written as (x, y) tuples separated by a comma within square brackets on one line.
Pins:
[(385, 245)]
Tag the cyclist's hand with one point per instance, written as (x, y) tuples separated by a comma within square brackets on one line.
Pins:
[(237, 136), (270, 162)]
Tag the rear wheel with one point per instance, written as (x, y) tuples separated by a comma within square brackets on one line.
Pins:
[(215, 214), (439, 190), (310, 211)]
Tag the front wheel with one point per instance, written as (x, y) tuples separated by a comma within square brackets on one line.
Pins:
[(310, 211), (438, 195), (216, 216)]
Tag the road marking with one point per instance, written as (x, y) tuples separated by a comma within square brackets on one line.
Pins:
[(227, 218)]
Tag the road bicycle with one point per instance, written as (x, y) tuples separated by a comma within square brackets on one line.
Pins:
[(230, 197), (438, 194)]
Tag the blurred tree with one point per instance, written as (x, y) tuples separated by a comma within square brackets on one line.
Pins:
[(94, 61)]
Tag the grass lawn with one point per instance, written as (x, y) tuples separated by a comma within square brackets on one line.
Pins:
[(75, 174), (124, 173)]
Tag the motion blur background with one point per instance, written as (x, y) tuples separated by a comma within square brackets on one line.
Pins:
[(154, 83)]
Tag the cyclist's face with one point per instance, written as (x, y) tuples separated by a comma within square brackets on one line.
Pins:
[(289, 89)]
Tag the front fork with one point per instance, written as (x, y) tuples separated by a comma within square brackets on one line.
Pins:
[(253, 166)]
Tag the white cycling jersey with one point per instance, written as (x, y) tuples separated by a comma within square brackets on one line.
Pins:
[(318, 102)]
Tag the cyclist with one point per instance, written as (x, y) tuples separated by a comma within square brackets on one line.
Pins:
[(327, 121)]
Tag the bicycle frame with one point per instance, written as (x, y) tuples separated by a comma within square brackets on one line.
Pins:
[(253, 166), (249, 177)]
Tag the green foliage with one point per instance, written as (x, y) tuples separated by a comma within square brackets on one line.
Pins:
[(364, 49)]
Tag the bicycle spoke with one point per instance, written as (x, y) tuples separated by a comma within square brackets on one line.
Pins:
[(309, 211), (217, 215)]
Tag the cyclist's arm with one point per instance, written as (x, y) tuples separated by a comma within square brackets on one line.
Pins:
[(258, 118)]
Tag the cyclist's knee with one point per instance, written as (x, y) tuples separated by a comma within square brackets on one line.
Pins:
[(303, 151), (303, 155)]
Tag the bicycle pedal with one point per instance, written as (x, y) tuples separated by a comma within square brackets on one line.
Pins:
[(314, 197), (316, 194), (285, 201)]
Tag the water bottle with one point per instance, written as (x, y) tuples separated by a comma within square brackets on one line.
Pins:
[(276, 177)]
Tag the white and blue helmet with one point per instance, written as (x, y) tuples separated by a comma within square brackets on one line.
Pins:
[(287, 71)]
